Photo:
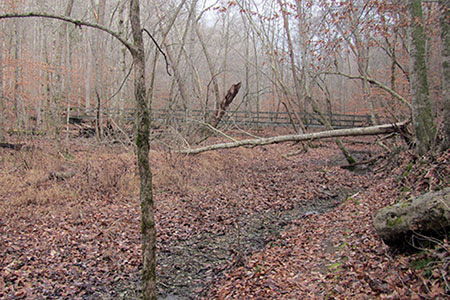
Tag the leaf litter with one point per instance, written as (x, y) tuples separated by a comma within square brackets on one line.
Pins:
[(236, 224)]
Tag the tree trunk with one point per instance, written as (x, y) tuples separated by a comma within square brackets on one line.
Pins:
[(143, 147), (2, 105), (19, 108), (445, 55), (293, 66), (422, 115), (224, 104), (209, 62), (87, 85), (373, 130)]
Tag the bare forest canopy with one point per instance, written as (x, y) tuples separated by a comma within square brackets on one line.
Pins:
[(290, 56)]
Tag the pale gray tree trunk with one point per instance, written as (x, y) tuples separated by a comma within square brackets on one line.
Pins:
[(88, 76), (164, 33), (247, 64), (175, 63), (445, 54), (210, 63), (422, 115), (226, 46), (257, 76), (60, 50), (19, 108), (99, 57), (295, 77)]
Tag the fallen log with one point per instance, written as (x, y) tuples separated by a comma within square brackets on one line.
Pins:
[(358, 131)]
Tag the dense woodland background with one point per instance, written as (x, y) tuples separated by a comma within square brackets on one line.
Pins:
[(284, 53)]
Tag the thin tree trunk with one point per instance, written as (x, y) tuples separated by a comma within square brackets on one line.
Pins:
[(99, 57), (61, 42), (445, 56), (293, 66), (226, 40), (164, 33), (209, 62), (257, 77), (2, 104), (247, 65), (143, 148), (18, 101), (87, 86), (175, 62)]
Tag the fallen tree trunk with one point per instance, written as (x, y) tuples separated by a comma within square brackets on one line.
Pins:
[(358, 131)]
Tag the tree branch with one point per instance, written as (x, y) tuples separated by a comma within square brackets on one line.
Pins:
[(374, 82), (76, 22), (372, 130), (160, 50)]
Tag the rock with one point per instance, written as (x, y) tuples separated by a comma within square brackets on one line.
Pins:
[(407, 224)]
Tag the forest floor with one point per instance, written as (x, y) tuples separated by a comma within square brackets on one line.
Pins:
[(231, 224)]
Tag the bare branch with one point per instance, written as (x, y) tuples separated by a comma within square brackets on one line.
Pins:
[(160, 50), (374, 82), (76, 22)]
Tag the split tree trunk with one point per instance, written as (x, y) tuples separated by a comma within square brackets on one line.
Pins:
[(224, 104)]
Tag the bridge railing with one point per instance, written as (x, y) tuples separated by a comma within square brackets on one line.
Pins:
[(240, 118)]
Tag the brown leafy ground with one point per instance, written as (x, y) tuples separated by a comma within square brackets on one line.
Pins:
[(235, 224)]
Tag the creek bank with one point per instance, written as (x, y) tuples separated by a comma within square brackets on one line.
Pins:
[(189, 267)]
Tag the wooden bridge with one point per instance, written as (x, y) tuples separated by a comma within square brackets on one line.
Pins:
[(238, 118)]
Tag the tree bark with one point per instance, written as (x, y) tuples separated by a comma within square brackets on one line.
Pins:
[(2, 105), (209, 62), (143, 147), (445, 56), (359, 131), (422, 115), (292, 61), (224, 104)]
